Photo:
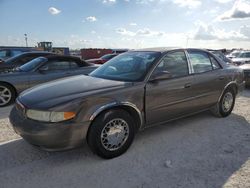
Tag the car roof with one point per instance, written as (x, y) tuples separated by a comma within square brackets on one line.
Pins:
[(166, 49), (245, 51), (55, 56), (36, 52), (157, 49), (66, 57)]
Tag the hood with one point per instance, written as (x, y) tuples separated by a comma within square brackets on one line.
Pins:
[(63, 90), (245, 67), (10, 72)]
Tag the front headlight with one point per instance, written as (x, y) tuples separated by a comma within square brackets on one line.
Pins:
[(49, 116)]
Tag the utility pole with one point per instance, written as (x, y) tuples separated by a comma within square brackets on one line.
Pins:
[(26, 39)]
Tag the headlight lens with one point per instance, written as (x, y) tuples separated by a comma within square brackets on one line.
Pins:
[(49, 116)]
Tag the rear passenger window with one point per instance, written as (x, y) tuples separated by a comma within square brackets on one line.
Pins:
[(175, 63), (200, 61)]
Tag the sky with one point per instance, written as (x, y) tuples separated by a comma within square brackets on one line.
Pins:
[(126, 23)]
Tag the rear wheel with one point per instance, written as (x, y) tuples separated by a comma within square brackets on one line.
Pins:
[(7, 94), (226, 104), (111, 133)]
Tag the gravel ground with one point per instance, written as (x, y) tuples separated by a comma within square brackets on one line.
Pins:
[(196, 152)]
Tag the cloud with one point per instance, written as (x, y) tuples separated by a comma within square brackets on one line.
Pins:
[(141, 32), (208, 32), (133, 24), (73, 41), (147, 32), (123, 31), (240, 10), (108, 1), (245, 30), (91, 19), (145, 1), (223, 1), (54, 11), (188, 3)]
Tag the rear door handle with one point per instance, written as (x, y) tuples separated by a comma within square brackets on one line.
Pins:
[(188, 85)]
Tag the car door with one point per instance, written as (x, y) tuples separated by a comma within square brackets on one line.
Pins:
[(209, 79), (169, 98), (52, 70)]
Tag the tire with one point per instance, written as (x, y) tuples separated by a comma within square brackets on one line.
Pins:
[(113, 145), (226, 104), (7, 94)]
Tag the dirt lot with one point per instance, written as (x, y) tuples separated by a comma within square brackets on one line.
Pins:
[(196, 152)]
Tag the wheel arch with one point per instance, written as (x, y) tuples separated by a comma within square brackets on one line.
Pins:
[(127, 106), (11, 85), (231, 85)]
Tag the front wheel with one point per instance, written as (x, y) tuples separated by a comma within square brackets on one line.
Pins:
[(226, 104), (111, 133)]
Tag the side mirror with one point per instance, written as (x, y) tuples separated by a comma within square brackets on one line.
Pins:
[(163, 75), (43, 69)]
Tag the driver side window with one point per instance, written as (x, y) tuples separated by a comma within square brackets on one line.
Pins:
[(174, 63)]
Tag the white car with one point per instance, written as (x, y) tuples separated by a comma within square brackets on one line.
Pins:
[(233, 54), (242, 58), (246, 69)]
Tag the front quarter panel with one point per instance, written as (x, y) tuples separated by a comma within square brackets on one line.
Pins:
[(94, 105), (18, 81)]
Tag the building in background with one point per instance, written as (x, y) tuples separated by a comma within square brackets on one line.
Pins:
[(92, 53)]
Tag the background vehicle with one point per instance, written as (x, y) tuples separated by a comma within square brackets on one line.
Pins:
[(233, 54), (133, 91), (6, 53), (47, 46), (242, 58), (220, 55), (37, 71), (21, 59), (102, 59), (246, 69)]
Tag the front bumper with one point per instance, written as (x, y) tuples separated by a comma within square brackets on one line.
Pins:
[(49, 136)]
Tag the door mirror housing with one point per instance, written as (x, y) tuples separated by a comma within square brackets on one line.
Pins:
[(163, 75)]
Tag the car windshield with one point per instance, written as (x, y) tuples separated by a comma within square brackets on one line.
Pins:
[(13, 59), (32, 64), (235, 54), (130, 66)]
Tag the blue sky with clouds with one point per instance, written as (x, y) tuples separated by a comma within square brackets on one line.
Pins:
[(127, 23)]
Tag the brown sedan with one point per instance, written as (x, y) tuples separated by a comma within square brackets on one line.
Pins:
[(133, 91)]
